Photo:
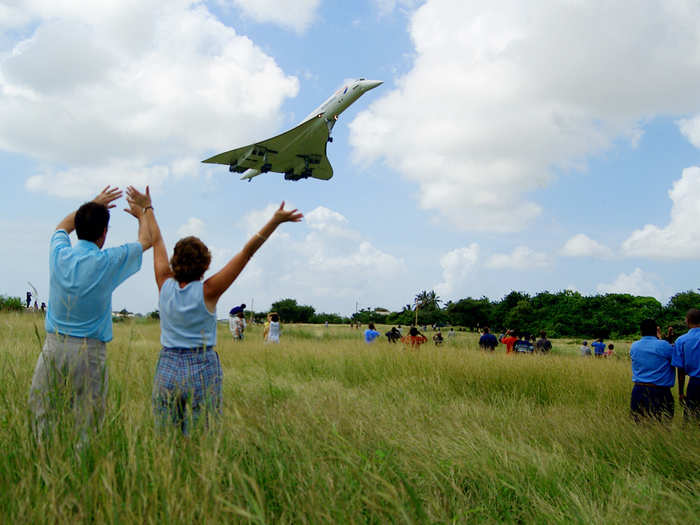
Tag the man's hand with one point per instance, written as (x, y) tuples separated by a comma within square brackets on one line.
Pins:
[(281, 215), (107, 196)]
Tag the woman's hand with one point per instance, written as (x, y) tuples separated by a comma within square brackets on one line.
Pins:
[(107, 196), (138, 202), (281, 215)]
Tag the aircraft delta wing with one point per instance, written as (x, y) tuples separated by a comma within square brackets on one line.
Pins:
[(298, 153)]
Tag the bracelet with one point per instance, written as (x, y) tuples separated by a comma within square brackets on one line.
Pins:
[(261, 236), (147, 208)]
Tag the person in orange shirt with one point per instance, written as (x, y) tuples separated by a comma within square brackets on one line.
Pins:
[(414, 338), (509, 340)]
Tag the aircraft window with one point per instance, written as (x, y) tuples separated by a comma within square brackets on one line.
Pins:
[(355, 87), (363, 79)]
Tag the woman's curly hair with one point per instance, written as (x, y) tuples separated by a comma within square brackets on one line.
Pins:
[(190, 259)]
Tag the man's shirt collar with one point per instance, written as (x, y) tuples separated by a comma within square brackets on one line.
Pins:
[(86, 245)]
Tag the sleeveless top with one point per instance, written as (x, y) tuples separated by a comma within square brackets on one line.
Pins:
[(274, 334), (185, 321)]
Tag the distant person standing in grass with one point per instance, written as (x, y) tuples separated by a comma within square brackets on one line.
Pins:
[(543, 345), (686, 358), (274, 328), (509, 340), (653, 375), (585, 349), (187, 382), (599, 347), (371, 333), (488, 341), (72, 366)]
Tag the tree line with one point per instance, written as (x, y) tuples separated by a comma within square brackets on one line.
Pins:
[(560, 314)]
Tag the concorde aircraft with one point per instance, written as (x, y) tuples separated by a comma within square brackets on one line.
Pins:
[(299, 153)]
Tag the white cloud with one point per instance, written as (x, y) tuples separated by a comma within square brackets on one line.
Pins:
[(330, 262), (457, 268), (503, 92), (521, 258), (101, 84), (193, 226), (86, 182), (637, 282), (690, 128), (581, 245), (297, 15), (680, 238)]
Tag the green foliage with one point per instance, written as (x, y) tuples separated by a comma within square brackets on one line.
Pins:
[(331, 430), (11, 304), (291, 312)]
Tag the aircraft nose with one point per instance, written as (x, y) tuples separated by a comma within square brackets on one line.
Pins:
[(371, 84)]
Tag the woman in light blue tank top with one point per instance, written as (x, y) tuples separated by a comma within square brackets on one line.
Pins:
[(188, 377)]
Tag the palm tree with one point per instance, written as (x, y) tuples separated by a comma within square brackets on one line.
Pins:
[(428, 300)]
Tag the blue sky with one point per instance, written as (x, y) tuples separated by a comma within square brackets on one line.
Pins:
[(527, 147)]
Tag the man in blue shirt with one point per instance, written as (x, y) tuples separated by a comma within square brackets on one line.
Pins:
[(488, 341), (653, 376), (371, 334), (686, 359), (599, 347), (71, 370)]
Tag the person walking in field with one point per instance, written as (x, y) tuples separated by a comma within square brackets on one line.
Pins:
[(414, 338), (653, 376), (187, 382), (686, 359), (543, 345), (585, 349), (488, 341), (599, 347), (274, 329), (509, 340), (371, 333), (72, 367), (236, 322)]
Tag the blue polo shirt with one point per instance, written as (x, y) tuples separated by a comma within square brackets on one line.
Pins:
[(651, 361), (686, 353), (488, 341), (599, 347), (371, 335), (81, 281)]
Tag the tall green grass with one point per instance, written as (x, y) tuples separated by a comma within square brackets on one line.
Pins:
[(323, 428)]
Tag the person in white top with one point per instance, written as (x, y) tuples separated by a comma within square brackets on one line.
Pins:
[(273, 333), (236, 323)]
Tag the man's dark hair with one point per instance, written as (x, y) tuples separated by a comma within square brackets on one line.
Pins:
[(648, 327), (91, 219), (693, 316), (543, 334), (370, 326), (274, 318), (486, 329)]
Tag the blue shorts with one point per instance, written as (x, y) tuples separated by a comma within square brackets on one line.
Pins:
[(187, 383)]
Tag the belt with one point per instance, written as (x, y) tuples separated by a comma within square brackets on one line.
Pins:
[(182, 350), (637, 383)]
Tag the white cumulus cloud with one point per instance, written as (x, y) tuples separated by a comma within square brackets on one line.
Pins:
[(581, 245), (521, 258), (680, 238), (637, 282), (503, 92), (106, 83), (297, 15), (690, 128), (193, 226), (457, 268)]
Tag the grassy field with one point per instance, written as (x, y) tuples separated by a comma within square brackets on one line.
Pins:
[(325, 429)]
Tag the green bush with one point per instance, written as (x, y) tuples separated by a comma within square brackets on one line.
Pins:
[(11, 304)]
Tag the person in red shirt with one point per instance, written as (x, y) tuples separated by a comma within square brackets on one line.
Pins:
[(509, 340)]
